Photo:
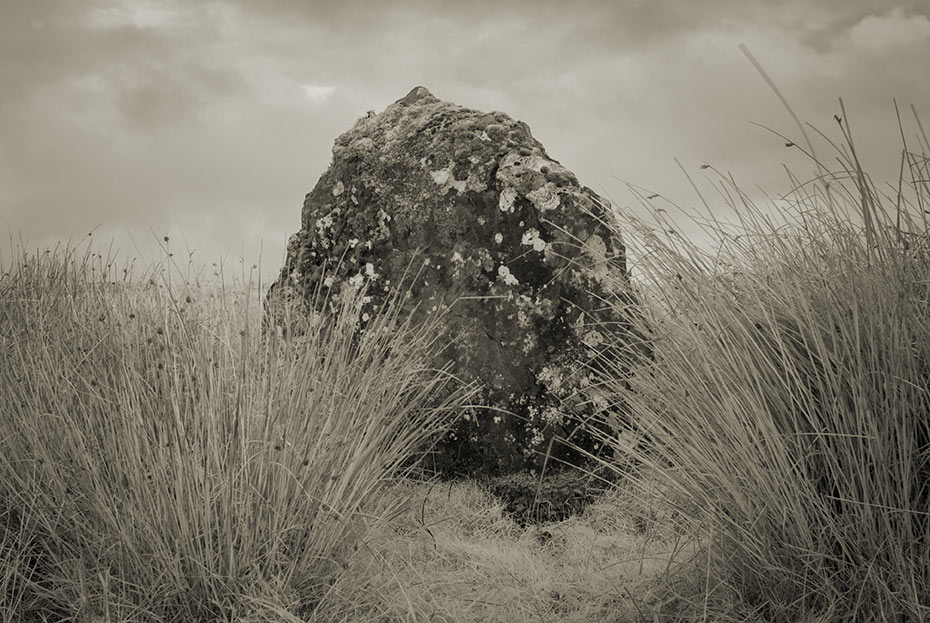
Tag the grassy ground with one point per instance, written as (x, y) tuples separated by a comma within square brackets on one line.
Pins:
[(159, 461), (453, 555)]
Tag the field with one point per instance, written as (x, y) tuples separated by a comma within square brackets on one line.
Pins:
[(161, 461)]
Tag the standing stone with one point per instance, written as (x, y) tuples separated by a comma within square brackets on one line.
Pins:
[(504, 238)]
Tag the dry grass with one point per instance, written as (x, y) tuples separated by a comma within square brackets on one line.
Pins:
[(454, 556), (160, 461), (786, 400)]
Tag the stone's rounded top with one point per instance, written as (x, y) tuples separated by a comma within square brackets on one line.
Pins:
[(417, 94)]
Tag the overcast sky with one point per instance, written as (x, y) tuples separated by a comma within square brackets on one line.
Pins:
[(209, 121)]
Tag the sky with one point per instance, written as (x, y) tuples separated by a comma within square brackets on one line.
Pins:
[(208, 122)]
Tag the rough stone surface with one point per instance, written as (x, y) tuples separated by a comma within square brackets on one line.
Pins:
[(505, 238)]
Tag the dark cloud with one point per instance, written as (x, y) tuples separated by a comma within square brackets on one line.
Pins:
[(216, 118)]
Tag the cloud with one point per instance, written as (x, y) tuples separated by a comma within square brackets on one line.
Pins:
[(153, 14), (158, 112), (894, 29), (318, 93)]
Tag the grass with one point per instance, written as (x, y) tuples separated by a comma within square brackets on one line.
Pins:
[(454, 555), (785, 401), (161, 460)]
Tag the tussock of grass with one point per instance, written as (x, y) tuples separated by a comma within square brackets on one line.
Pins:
[(785, 403), (159, 460)]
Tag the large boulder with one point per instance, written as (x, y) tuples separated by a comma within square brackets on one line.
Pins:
[(523, 259)]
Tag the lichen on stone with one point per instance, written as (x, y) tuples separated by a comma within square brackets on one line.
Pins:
[(596, 251), (507, 198), (504, 274), (531, 239), (545, 197)]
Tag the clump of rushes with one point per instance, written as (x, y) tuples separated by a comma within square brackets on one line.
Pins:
[(161, 460), (784, 402)]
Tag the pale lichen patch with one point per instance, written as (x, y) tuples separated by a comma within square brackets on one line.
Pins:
[(596, 250), (504, 274), (445, 179), (457, 263), (383, 219), (551, 416), (508, 196), (441, 176), (545, 197), (545, 307), (485, 259), (531, 239), (362, 144), (559, 379), (592, 339), (524, 309), (338, 189), (536, 439), (323, 224)]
